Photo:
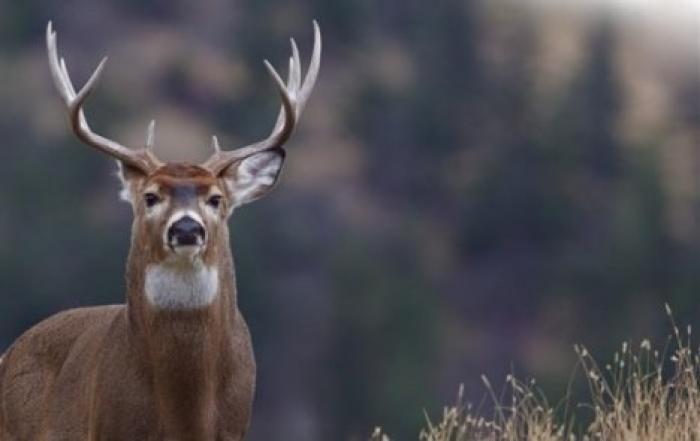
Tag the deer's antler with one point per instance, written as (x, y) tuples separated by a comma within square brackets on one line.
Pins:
[(142, 159), (293, 95)]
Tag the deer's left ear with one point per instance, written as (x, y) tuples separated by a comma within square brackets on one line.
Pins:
[(253, 177), (128, 176)]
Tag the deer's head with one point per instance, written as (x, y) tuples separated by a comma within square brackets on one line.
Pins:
[(181, 209)]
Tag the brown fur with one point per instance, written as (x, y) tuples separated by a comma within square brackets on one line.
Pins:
[(132, 372)]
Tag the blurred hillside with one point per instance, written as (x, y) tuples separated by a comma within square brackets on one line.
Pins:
[(474, 185)]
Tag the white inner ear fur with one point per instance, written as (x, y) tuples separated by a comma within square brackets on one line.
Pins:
[(253, 177), (127, 178), (125, 192), (175, 287)]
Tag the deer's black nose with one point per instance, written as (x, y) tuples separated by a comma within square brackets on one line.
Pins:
[(186, 231)]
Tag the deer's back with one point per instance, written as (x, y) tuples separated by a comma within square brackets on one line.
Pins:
[(33, 368)]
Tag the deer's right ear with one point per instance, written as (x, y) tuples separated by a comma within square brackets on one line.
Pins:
[(253, 177), (129, 177)]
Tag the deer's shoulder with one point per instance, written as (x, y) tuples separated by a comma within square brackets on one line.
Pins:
[(49, 341)]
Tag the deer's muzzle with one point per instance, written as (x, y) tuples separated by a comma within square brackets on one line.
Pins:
[(186, 231)]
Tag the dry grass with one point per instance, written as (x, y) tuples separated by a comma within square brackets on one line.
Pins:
[(642, 395)]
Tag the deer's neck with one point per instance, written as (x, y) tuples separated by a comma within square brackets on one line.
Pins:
[(180, 321), (199, 296), (178, 289)]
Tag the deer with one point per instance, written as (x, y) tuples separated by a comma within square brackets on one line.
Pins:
[(174, 362)]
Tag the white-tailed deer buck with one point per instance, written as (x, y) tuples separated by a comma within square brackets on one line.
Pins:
[(175, 362)]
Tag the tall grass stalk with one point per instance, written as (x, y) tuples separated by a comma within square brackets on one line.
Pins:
[(641, 395)]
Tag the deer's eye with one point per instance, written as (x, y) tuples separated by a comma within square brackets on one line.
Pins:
[(214, 201), (151, 199)]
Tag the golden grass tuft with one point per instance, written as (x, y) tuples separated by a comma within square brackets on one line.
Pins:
[(641, 395)]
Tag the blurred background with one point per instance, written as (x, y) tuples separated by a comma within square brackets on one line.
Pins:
[(475, 185)]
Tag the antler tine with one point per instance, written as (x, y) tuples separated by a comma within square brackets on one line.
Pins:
[(288, 113), (66, 79), (314, 66), (290, 79), (140, 159), (296, 76), (215, 144), (293, 95), (151, 136), (290, 73)]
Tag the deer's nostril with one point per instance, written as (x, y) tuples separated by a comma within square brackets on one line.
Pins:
[(186, 231)]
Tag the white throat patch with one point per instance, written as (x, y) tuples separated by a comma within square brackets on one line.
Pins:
[(175, 287)]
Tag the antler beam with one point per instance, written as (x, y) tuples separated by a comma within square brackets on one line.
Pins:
[(142, 159)]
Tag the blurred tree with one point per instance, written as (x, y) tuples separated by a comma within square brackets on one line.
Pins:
[(19, 24), (384, 351)]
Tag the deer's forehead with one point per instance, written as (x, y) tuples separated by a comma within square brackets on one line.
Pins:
[(182, 180), (182, 187)]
